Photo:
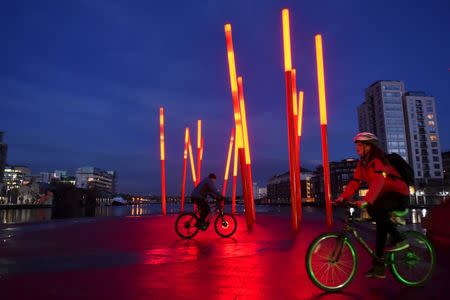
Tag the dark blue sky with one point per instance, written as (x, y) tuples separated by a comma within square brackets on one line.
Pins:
[(81, 81)]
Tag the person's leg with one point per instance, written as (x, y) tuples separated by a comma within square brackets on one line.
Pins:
[(203, 208), (381, 216), (397, 202)]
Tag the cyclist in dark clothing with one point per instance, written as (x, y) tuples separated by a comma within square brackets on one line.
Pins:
[(205, 188), (387, 192)]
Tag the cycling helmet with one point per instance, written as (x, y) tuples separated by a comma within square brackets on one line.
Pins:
[(366, 138)]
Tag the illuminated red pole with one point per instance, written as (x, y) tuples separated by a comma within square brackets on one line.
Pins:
[(238, 123), (163, 159), (201, 152), (185, 155), (199, 149), (323, 125), (227, 166), (191, 159), (248, 162), (235, 171), (298, 193), (299, 133), (289, 113)]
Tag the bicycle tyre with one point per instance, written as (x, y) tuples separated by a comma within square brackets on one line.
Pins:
[(409, 257), (190, 223), (231, 222), (315, 246)]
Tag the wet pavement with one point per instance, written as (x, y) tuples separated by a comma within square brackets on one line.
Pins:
[(143, 258)]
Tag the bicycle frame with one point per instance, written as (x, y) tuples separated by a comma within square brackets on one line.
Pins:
[(216, 210), (344, 235)]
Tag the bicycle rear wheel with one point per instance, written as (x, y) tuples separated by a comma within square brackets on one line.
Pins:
[(185, 225), (225, 225), (414, 265), (331, 262)]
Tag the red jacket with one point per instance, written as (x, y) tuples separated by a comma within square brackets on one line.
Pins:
[(380, 177)]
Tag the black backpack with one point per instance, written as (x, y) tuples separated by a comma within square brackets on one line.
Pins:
[(402, 167)]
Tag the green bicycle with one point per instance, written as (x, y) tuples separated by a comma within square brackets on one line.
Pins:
[(331, 259)]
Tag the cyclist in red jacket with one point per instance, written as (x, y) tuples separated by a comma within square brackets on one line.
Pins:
[(387, 192)]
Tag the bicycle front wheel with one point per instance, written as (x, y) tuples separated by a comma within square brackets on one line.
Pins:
[(185, 225), (414, 265), (331, 262), (225, 225)]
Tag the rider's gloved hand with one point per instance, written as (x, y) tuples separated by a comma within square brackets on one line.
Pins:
[(361, 203), (339, 200)]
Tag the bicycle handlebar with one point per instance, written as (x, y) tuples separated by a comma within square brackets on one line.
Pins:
[(345, 204)]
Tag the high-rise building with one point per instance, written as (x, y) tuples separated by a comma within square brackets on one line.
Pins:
[(15, 176), (422, 133), (3, 152), (382, 114), (90, 177), (446, 166)]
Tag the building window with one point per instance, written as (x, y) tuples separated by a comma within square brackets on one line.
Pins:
[(391, 88), (437, 166), (437, 173), (431, 123), (417, 151), (430, 116), (435, 151), (434, 144), (392, 94), (436, 158), (419, 173), (417, 158)]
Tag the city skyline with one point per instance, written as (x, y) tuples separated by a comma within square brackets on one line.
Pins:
[(97, 103)]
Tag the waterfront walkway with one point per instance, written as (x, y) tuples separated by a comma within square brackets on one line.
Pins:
[(142, 258)]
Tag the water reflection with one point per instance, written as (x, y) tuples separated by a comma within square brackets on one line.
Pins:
[(8, 216)]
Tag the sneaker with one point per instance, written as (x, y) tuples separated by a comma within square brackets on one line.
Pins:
[(202, 225), (377, 271), (402, 245)]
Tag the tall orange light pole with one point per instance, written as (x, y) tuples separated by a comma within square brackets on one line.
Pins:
[(248, 162), (299, 133), (185, 156), (295, 140), (238, 122), (191, 159), (227, 165), (290, 115), (199, 149), (323, 125), (235, 172), (163, 159)]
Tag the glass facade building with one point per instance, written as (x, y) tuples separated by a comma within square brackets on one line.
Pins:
[(423, 136), (382, 114)]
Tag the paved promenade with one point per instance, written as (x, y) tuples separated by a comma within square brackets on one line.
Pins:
[(142, 258)]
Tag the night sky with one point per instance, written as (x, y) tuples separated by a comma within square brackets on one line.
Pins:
[(81, 82)]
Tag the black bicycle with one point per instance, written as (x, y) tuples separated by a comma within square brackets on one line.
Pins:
[(331, 259), (225, 224)]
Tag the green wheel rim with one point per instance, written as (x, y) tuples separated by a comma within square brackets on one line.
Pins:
[(410, 258), (309, 263)]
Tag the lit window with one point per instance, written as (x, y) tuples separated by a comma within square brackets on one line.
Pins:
[(431, 123), (430, 116), (433, 138)]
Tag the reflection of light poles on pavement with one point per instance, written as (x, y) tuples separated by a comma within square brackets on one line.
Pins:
[(444, 194), (419, 193)]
